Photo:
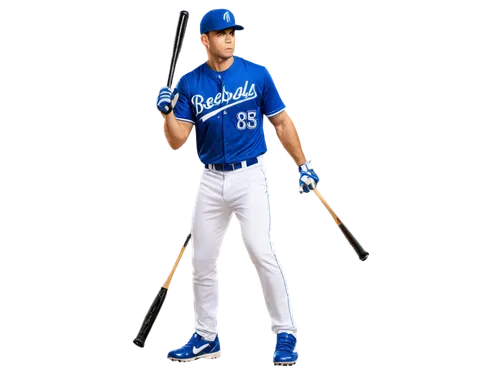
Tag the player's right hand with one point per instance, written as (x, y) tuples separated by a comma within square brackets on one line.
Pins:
[(166, 100)]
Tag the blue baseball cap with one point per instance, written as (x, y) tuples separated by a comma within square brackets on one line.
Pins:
[(218, 19)]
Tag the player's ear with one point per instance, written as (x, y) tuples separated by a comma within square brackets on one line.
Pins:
[(204, 39)]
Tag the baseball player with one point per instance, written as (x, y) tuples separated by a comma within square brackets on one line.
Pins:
[(225, 99)]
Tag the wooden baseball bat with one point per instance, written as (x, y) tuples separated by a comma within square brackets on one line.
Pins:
[(178, 43), (362, 254), (179, 38), (157, 303)]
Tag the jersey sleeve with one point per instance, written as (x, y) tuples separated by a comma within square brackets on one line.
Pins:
[(182, 109), (271, 101)]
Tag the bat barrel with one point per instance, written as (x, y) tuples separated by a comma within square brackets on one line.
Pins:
[(364, 258), (150, 318), (179, 37), (157, 304), (139, 341), (362, 254)]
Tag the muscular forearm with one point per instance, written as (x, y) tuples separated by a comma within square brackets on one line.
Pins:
[(289, 138), (175, 132)]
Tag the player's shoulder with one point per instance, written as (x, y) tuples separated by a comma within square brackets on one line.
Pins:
[(192, 73), (249, 65), (257, 71)]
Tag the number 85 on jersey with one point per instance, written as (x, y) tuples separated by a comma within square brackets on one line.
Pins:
[(246, 120)]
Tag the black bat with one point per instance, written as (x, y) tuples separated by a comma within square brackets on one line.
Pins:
[(157, 304), (178, 43), (179, 37)]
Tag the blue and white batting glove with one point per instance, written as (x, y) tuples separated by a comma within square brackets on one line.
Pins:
[(166, 100), (308, 178)]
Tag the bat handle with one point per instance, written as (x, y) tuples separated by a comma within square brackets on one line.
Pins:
[(312, 186), (186, 240)]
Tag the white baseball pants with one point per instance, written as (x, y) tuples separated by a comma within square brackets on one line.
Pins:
[(246, 194)]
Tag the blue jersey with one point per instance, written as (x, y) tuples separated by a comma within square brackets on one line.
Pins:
[(227, 110)]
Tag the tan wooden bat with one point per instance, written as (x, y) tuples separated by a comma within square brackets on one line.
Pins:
[(159, 300), (323, 202), (362, 254), (169, 278)]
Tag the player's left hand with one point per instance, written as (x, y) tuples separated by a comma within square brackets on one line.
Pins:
[(308, 178)]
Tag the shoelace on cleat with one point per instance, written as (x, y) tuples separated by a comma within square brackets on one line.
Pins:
[(285, 344), (191, 342)]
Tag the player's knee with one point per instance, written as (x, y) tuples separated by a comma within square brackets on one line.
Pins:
[(203, 265), (261, 254)]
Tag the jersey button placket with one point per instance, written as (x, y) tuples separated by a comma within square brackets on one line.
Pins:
[(224, 143), (224, 179)]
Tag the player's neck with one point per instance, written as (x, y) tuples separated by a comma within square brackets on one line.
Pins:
[(218, 64)]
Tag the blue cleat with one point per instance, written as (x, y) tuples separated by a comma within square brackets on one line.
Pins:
[(197, 347), (284, 354)]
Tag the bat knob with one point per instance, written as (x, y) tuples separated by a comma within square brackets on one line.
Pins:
[(364, 256)]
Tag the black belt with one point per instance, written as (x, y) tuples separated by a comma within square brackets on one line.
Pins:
[(231, 166)]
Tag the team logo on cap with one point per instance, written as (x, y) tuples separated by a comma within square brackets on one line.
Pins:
[(226, 17)]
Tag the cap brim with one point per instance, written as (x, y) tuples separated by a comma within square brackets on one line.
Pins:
[(236, 27)]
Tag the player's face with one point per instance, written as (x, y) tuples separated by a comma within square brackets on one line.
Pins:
[(221, 43)]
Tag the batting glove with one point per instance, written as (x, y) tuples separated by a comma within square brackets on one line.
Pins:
[(308, 178), (166, 100)]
